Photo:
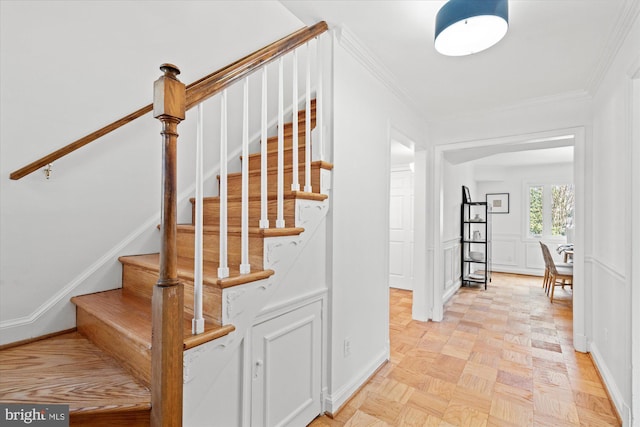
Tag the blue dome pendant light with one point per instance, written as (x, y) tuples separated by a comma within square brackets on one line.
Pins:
[(465, 27)]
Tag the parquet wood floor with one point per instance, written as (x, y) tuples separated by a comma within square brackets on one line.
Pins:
[(501, 357)]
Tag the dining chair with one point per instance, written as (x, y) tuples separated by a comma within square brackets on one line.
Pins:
[(545, 279), (555, 275)]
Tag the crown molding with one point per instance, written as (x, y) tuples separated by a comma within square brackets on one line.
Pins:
[(571, 96), (624, 23), (362, 54)]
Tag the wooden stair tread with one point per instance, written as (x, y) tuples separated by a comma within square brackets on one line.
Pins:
[(64, 370), (287, 168), (273, 149), (209, 273), (130, 315), (253, 231), (303, 195)]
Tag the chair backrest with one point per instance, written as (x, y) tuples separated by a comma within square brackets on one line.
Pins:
[(545, 254), (548, 259)]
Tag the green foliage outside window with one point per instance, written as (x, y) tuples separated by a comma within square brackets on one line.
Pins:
[(535, 211), (561, 208), (560, 212)]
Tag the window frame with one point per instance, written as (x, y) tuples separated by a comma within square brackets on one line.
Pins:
[(547, 226)]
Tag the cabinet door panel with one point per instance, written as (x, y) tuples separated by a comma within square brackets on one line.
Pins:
[(286, 368)]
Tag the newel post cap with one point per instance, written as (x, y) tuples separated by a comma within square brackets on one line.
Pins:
[(169, 94)]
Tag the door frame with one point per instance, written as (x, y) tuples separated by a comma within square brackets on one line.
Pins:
[(409, 211), (580, 313), (634, 250)]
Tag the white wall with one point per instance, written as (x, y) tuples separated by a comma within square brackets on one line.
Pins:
[(602, 297), (68, 68), (364, 111), (512, 250), (608, 260), (454, 177)]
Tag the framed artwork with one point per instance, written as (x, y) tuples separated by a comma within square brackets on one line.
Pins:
[(466, 196), (498, 203)]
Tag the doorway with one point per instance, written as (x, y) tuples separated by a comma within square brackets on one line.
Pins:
[(401, 223), (512, 144)]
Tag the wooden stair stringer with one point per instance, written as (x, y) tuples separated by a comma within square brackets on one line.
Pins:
[(241, 305)]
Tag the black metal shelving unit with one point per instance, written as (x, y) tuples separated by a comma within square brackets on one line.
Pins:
[(475, 233)]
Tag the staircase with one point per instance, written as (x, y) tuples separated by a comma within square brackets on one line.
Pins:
[(103, 370)]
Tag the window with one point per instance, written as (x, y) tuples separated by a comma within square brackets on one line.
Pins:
[(551, 209)]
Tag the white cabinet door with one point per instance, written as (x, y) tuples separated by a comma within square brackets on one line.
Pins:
[(401, 230), (286, 368)]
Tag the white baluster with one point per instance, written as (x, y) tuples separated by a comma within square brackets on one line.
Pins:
[(264, 216), (245, 267), (307, 127), (295, 184), (319, 100), (223, 269), (197, 324), (280, 196)]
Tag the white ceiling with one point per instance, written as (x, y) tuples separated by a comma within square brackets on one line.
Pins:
[(528, 158), (552, 48)]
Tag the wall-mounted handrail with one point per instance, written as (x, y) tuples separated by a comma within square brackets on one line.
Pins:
[(197, 91)]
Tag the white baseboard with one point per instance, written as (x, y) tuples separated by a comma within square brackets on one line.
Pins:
[(612, 388), (334, 401), (580, 343), (449, 292), (525, 271)]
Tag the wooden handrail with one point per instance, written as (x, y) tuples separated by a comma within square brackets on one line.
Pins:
[(197, 91)]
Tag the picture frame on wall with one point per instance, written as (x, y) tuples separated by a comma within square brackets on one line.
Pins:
[(466, 195), (498, 203)]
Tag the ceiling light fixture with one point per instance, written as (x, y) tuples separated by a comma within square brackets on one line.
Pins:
[(464, 27)]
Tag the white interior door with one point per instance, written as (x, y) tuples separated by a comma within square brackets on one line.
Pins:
[(401, 229), (286, 368)]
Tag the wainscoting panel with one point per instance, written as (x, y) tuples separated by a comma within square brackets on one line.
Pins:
[(451, 257), (504, 250), (533, 255), (611, 334)]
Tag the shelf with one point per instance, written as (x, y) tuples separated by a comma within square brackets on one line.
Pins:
[(475, 220), (473, 279)]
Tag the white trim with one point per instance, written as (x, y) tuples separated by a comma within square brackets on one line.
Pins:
[(612, 270), (580, 292), (502, 268), (575, 95), (624, 23), (547, 225), (116, 250), (451, 242), (451, 291), (335, 400), (375, 66), (78, 280), (289, 305), (609, 382), (634, 256)]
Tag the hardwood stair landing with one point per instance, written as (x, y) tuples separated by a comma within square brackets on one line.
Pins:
[(69, 369)]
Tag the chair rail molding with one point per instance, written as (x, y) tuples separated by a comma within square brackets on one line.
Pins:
[(611, 269)]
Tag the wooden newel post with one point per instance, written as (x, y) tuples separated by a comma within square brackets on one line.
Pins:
[(169, 98)]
